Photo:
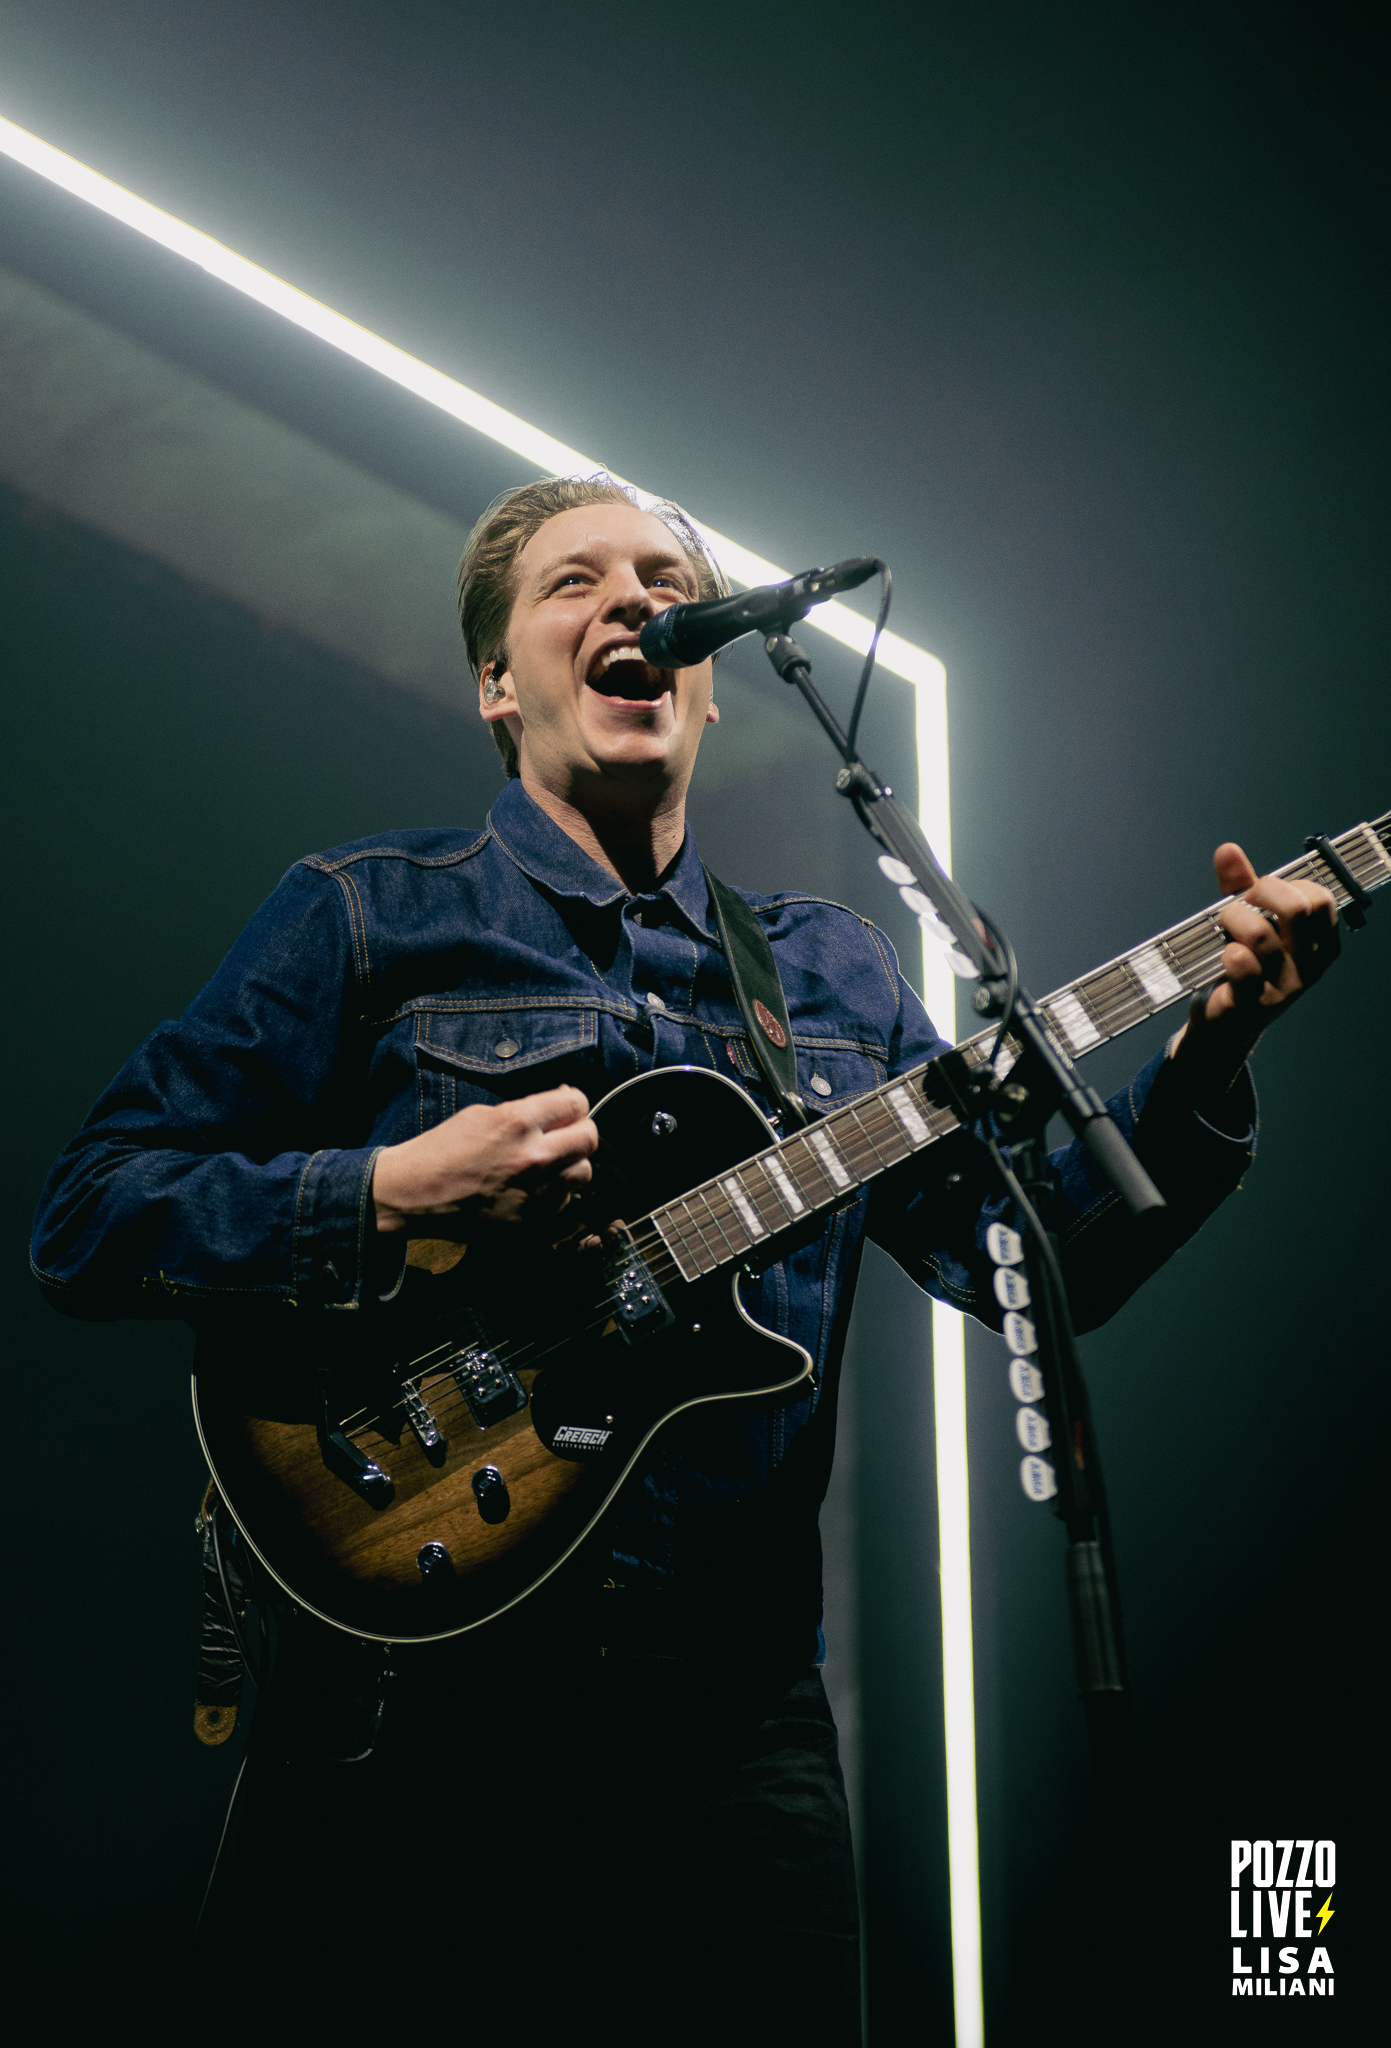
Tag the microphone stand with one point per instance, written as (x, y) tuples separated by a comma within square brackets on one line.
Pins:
[(1041, 1081)]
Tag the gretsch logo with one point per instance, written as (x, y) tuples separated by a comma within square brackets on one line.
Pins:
[(578, 1439)]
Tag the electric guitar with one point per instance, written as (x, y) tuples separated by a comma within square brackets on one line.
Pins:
[(414, 1497)]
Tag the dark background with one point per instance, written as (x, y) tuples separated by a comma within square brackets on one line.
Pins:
[(1081, 322)]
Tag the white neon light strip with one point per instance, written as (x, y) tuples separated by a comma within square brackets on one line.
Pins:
[(839, 623), (958, 1676), (953, 1485), (901, 657)]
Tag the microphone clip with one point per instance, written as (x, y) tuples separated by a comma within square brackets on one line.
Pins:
[(786, 655)]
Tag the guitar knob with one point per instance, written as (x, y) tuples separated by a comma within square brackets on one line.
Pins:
[(434, 1561), (664, 1124), (490, 1491)]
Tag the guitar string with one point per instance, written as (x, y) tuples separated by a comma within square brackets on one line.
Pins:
[(515, 1357), (660, 1262), (511, 1354), (424, 1363), (1202, 951), (860, 1151), (1195, 949), (1196, 954), (857, 1144)]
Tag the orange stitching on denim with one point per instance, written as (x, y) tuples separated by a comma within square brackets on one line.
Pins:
[(441, 1006), (961, 1296), (891, 972), (829, 903), (1105, 1202), (363, 1204), (366, 976), (358, 962), (416, 860), (172, 1289), (294, 1235)]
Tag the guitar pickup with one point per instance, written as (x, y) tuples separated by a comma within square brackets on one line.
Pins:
[(639, 1306), (429, 1435), (492, 1392)]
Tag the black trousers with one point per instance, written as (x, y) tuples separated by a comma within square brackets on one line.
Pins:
[(648, 1848)]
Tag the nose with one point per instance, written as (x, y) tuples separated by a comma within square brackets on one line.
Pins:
[(629, 601)]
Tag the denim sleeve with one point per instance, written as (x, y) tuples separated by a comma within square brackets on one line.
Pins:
[(932, 1218), (205, 1178)]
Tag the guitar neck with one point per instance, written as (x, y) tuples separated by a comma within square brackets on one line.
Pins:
[(724, 1220)]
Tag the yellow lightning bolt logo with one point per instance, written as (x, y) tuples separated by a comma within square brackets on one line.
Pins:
[(1326, 1913)]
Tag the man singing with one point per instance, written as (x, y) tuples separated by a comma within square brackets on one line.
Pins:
[(621, 1800)]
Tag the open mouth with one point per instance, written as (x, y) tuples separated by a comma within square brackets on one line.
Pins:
[(622, 672)]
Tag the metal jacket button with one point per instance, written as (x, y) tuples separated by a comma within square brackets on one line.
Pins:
[(820, 1084), (506, 1047), (654, 1001)]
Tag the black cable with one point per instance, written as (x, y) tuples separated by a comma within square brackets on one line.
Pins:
[(1033, 1222), (886, 593), (1011, 965), (221, 1844)]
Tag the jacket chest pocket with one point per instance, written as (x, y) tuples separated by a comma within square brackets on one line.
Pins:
[(487, 1054), (830, 1074)]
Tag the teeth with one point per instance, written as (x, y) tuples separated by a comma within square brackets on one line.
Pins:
[(622, 654)]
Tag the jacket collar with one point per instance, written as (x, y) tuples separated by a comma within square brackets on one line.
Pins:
[(549, 857)]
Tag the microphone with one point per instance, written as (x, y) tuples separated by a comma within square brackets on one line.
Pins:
[(686, 634)]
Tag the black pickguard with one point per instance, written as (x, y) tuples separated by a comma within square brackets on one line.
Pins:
[(666, 1132)]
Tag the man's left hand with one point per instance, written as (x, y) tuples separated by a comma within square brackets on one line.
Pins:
[(1282, 936)]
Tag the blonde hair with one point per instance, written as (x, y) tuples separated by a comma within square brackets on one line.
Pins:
[(488, 571)]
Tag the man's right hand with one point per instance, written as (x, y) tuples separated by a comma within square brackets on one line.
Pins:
[(517, 1162)]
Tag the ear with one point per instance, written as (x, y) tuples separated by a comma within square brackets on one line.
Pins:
[(493, 676), (712, 713)]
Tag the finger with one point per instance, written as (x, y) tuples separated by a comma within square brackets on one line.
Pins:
[(555, 1107), (560, 1147), (1249, 927), (1234, 870), (1244, 979), (1256, 937), (1290, 899)]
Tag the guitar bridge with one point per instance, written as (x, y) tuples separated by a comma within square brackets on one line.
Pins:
[(492, 1392), (639, 1306), (429, 1435)]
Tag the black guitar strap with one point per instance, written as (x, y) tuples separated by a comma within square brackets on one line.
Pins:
[(759, 995)]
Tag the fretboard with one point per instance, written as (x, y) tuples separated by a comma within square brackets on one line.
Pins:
[(778, 1192)]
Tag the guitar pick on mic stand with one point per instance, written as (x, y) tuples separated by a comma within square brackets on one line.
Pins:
[(1012, 1113)]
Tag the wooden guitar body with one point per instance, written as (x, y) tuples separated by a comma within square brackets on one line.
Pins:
[(565, 1396)]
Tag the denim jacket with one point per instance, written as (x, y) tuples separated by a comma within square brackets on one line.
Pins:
[(387, 984)]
